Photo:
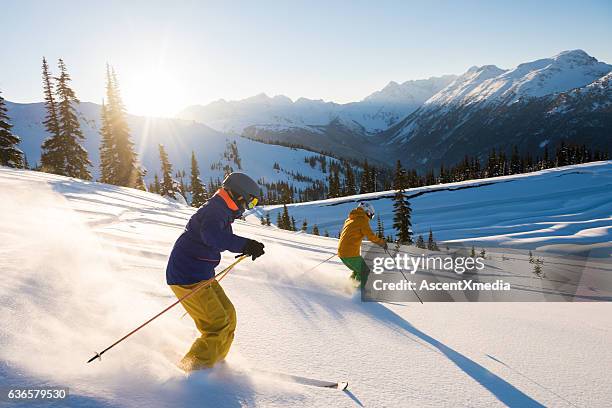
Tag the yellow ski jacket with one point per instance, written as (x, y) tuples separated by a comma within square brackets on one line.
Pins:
[(356, 226)]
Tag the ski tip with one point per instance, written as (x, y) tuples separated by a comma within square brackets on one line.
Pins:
[(342, 386)]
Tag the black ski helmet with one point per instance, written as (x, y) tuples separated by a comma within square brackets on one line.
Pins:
[(239, 184)]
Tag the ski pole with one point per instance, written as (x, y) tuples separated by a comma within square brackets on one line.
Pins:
[(319, 264), (402, 272), (203, 284)]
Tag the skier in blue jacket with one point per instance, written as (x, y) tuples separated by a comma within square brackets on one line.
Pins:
[(193, 259)]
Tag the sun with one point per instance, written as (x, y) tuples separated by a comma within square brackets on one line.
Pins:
[(154, 93)]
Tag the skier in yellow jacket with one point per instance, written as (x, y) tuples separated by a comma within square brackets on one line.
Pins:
[(356, 227)]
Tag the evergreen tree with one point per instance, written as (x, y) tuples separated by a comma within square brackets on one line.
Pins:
[(399, 176), (126, 171), (74, 158), (473, 252), (326, 234), (431, 244), (10, 155), (268, 219), (315, 230), (285, 219), (108, 152), (156, 185), (546, 159), (420, 242), (279, 220), (293, 228), (334, 183), (51, 158), (483, 253), (365, 178), (167, 184), (401, 218), (380, 229), (198, 191), (350, 187), (515, 162), (305, 225)]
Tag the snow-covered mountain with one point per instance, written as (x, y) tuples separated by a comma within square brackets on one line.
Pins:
[(179, 138), (374, 113), (563, 72), (565, 97), (84, 263)]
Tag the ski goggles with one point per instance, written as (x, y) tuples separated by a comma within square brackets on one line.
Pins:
[(252, 203)]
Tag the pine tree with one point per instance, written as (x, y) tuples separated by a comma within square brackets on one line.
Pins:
[(350, 187), (156, 185), (326, 234), (279, 220), (285, 219), (515, 161), (365, 179), (483, 253), (10, 155), (268, 218), (380, 229), (399, 176), (198, 191), (293, 227), (108, 152), (126, 171), (305, 225), (315, 230), (431, 244), (473, 252), (334, 183), (167, 184), (401, 217), (420, 243), (74, 157), (51, 157)]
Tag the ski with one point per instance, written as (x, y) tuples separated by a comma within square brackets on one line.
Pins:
[(296, 379), (340, 385)]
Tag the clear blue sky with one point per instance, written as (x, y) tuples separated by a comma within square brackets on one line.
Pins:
[(334, 50)]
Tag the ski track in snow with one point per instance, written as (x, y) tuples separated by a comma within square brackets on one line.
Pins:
[(84, 263)]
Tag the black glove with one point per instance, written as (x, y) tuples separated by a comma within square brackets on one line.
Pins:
[(253, 248)]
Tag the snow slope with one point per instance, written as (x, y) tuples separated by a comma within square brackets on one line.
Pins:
[(562, 209), (83, 263)]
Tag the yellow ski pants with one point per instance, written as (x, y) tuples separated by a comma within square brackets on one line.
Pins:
[(215, 317)]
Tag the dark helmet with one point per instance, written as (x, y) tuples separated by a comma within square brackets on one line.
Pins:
[(239, 184)]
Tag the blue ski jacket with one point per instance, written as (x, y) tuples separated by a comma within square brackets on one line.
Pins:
[(197, 251)]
